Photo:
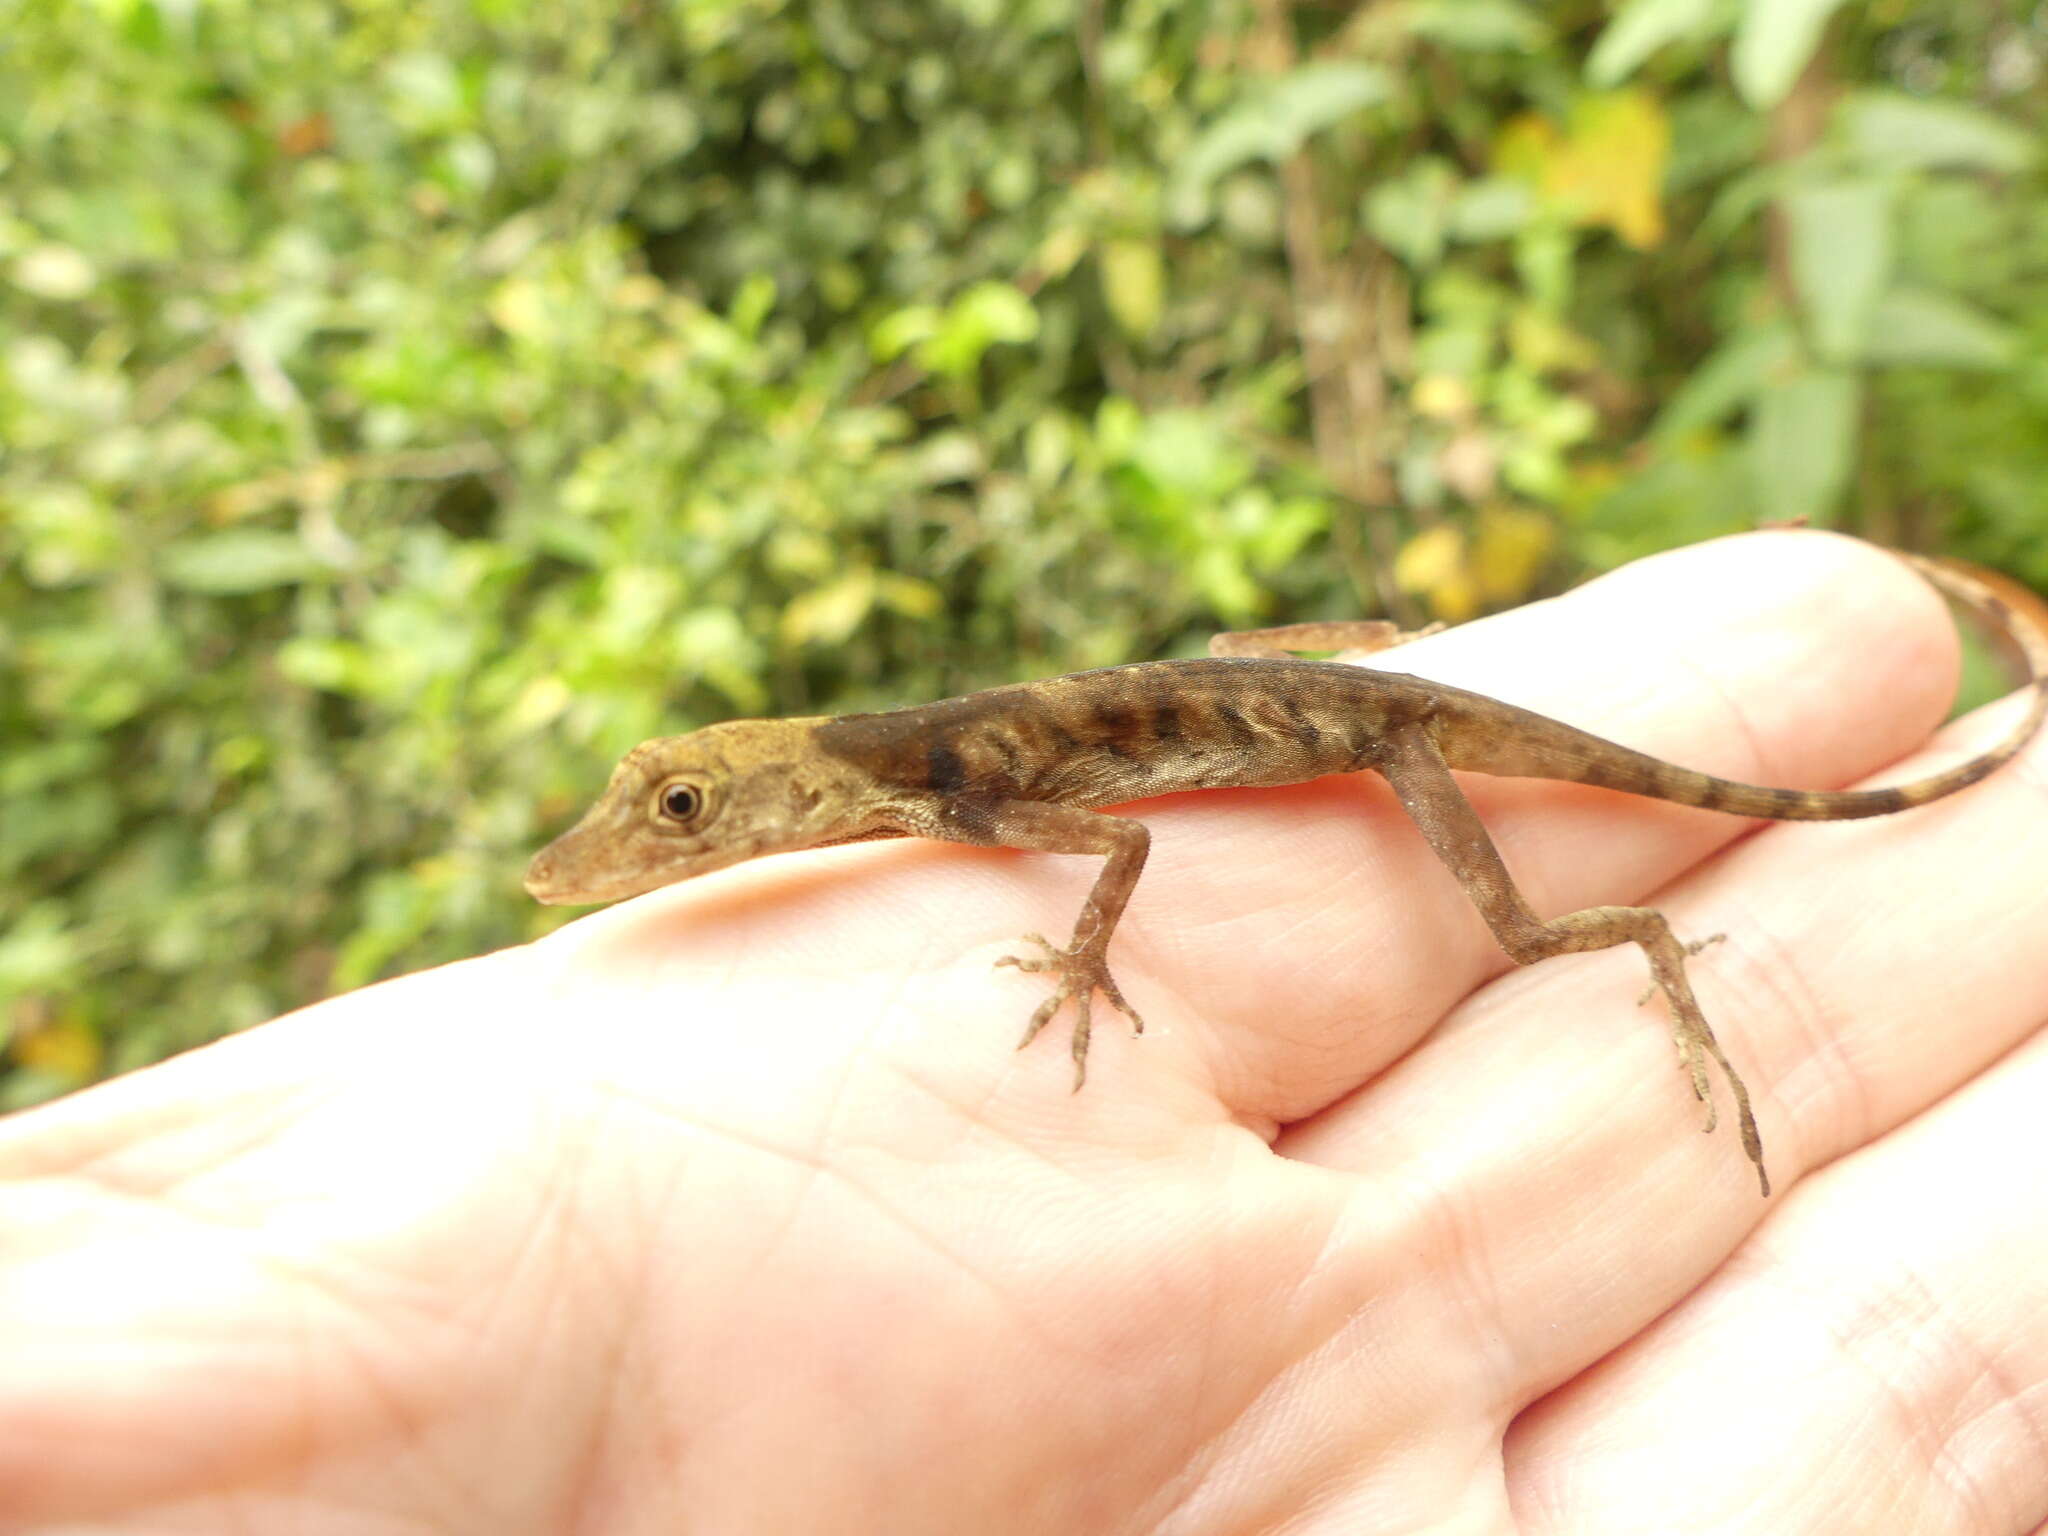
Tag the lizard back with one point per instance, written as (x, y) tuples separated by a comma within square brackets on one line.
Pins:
[(1149, 728)]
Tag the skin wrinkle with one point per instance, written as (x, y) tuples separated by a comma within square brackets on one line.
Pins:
[(138, 1169), (1215, 1448), (410, 1429), (591, 1463), (1257, 1420), (1979, 1363), (1451, 1228), (285, 1447), (838, 1094), (814, 1164), (1883, 1313), (673, 1113), (815, 1176), (1778, 976), (970, 1117), (1018, 1310)]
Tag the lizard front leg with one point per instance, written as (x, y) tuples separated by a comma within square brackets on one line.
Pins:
[(1415, 766), (1082, 968)]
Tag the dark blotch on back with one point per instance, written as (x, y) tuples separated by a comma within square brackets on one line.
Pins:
[(943, 768), (1164, 724), (1305, 730), (1234, 721)]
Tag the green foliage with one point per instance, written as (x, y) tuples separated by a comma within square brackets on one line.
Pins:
[(404, 408)]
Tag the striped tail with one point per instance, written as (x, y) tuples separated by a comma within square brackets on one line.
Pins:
[(1542, 748)]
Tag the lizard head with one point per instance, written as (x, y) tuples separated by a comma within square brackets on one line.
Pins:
[(686, 805)]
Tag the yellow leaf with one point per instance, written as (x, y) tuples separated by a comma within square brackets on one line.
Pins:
[(829, 615), (910, 597), (1525, 147), (1622, 141), (1454, 600), (1432, 564), (519, 307), (1433, 556), (67, 1049), (538, 704), (1442, 396), (1510, 546), (1605, 167), (1543, 344)]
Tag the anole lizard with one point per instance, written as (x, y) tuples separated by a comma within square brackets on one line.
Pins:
[(1026, 766)]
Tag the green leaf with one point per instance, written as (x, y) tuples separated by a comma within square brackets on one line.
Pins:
[(1896, 131), (1220, 576), (900, 330), (1410, 216), (1478, 24), (753, 304), (239, 560), (1274, 121), (1727, 381), (1183, 453), (1774, 41), (1802, 442), (1134, 285), (981, 317), (39, 951), (1918, 327), (1491, 209), (1640, 30), (1841, 251)]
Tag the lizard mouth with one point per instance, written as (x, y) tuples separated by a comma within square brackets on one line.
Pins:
[(561, 874), (552, 884)]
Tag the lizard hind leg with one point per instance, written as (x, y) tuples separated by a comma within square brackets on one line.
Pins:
[(1415, 767)]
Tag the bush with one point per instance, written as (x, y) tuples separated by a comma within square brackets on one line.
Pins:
[(403, 408)]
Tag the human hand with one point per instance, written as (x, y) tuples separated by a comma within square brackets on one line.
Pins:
[(729, 1209)]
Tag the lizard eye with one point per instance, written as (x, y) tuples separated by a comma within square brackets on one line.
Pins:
[(679, 801)]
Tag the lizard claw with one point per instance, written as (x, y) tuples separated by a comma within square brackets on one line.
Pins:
[(1082, 971), (1051, 962)]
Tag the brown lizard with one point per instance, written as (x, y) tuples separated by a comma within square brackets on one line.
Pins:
[(1026, 766)]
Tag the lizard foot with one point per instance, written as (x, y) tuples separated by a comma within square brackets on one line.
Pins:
[(1697, 1046), (1082, 971), (1690, 950)]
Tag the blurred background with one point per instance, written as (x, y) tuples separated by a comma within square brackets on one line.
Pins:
[(406, 407)]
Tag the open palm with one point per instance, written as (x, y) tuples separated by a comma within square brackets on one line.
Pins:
[(730, 1210)]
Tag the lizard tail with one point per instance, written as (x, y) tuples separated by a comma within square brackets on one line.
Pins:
[(1548, 749)]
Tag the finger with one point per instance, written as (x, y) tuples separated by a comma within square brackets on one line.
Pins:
[(1879, 1363)]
